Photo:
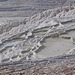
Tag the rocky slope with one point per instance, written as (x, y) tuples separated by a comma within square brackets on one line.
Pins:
[(63, 65), (24, 45), (26, 8)]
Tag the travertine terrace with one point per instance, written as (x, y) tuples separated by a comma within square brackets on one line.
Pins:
[(39, 36), (40, 42)]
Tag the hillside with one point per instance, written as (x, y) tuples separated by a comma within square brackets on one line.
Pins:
[(37, 37), (26, 8), (46, 39)]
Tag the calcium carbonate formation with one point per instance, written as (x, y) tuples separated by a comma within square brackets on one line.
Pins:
[(29, 40)]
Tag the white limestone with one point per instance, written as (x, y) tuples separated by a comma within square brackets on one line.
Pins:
[(29, 39)]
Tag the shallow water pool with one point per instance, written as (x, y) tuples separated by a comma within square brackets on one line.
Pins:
[(55, 46)]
